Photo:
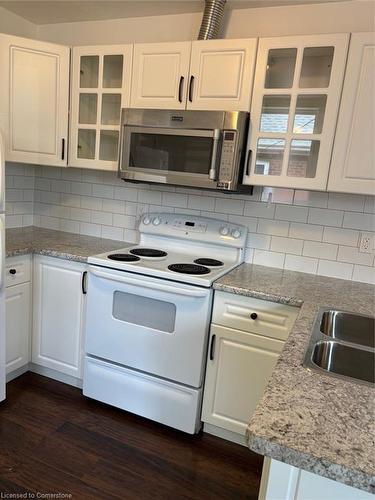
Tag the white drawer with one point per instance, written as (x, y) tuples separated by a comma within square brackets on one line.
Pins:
[(253, 315), (17, 270)]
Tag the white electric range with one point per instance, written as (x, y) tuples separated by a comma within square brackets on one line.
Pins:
[(148, 315)]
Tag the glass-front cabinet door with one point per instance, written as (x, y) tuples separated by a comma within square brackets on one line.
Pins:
[(297, 90), (101, 78)]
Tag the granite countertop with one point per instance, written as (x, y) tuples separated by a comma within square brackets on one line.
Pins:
[(21, 241), (305, 418)]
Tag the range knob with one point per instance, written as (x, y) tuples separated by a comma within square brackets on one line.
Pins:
[(224, 230), (146, 220), (236, 233), (156, 221)]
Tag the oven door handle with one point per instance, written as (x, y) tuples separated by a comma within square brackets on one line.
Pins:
[(146, 284), (215, 150)]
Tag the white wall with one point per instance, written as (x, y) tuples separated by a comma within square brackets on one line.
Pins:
[(11, 24), (355, 15)]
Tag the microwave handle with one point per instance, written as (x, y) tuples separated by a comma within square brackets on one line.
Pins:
[(215, 149)]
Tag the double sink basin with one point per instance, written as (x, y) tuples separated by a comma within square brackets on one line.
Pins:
[(342, 344)]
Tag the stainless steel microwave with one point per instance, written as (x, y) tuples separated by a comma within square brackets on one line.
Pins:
[(203, 149)]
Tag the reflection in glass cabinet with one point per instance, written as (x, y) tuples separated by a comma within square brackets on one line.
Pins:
[(270, 154), (100, 89), (303, 158)]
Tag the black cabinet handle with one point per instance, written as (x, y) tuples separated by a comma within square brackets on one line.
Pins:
[(180, 87), (249, 154), (63, 149), (212, 347), (253, 315), (12, 271), (191, 88), (84, 282)]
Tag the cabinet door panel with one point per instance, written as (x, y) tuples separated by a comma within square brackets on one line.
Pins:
[(353, 159), (223, 74), (297, 90), (101, 78), (237, 376), (35, 92), (58, 315), (18, 318), (160, 73)]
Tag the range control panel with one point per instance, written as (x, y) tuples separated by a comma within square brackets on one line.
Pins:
[(194, 228)]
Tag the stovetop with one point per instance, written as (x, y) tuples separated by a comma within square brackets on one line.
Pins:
[(193, 250)]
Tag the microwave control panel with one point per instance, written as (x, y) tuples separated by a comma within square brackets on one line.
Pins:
[(227, 158)]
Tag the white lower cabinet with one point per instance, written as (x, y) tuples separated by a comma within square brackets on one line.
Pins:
[(281, 481), (241, 357), (18, 313), (58, 315)]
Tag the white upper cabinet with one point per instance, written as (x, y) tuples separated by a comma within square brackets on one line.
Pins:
[(221, 74), (34, 100), (160, 75), (353, 159), (209, 74), (297, 89), (100, 87)]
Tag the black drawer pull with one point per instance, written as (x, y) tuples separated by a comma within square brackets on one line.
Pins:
[(84, 282), (191, 88), (253, 315), (12, 271), (180, 87), (212, 347)]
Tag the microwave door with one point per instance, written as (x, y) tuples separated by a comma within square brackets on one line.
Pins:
[(171, 156)]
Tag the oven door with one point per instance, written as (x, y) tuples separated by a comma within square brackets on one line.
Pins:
[(149, 324), (171, 156)]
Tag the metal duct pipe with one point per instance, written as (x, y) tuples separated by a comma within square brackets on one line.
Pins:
[(212, 19)]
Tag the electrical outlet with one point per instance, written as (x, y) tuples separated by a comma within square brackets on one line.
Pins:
[(366, 243)]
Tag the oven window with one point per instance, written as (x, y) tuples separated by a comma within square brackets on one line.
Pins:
[(174, 153), (144, 311)]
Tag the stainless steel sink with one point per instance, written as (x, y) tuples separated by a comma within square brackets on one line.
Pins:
[(342, 344), (345, 360), (353, 328)]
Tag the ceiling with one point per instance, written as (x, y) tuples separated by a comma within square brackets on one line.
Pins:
[(56, 11)]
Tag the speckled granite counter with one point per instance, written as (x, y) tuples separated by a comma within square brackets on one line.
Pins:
[(21, 241), (319, 423)]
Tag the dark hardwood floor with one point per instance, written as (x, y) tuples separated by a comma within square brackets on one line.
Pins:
[(54, 440)]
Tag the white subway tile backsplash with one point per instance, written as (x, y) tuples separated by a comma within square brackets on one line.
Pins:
[(274, 227), (341, 236), (326, 217), (335, 269), (259, 209), (370, 204), (103, 190), (201, 203), (177, 200), (354, 256), (229, 206), (306, 231), (311, 199), (320, 250), (352, 202), (364, 274), (266, 258), (354, 220), (259, 241), (291, 213), (301, 264), (286, 245)]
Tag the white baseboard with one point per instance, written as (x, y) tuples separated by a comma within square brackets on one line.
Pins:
[(224, 434), (55, 375), (17, 373)]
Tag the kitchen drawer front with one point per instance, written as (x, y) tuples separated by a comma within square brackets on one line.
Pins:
[(253, 315), (17, 270)]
